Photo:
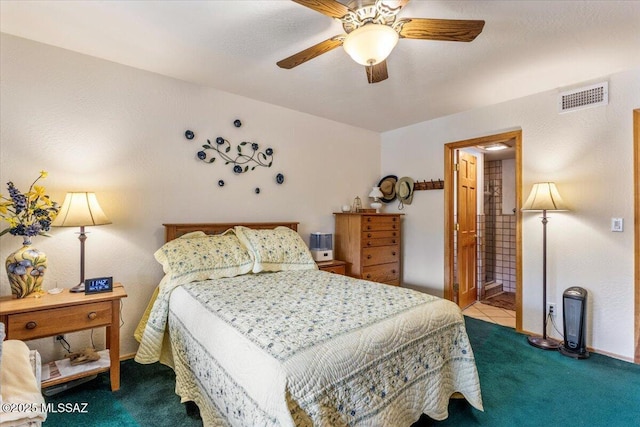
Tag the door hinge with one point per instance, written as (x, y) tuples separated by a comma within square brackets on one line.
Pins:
[(456, 227), (456, 167)]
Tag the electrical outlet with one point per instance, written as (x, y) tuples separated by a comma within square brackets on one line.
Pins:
[(551, 309), (58, 338)]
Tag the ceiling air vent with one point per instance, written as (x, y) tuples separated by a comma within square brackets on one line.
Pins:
[(584, 97)]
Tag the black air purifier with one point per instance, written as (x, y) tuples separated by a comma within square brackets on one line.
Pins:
[(574, 316)]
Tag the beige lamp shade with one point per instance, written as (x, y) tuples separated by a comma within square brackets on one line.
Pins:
[(371, 43), (544, 196), (79, 210)]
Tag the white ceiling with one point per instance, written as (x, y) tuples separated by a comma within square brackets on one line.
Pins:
[(526, 47)]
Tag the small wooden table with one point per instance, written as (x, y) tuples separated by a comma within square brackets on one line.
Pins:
[(30, 318), (333, 266)]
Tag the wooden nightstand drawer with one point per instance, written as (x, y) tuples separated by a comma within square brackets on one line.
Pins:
[(333, 266), (44, 323), (380, 255), (373, 223), (337, 270), (382, 273)]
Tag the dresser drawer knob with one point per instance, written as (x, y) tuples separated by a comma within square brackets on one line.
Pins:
[(368, 276), (92, 315), (368, 256), (369, 235), (393, 253), (368, 227), (393, 241), (368, 243), (393, 271), (394, 234), (393, 226), (31, 325), (368, 219)]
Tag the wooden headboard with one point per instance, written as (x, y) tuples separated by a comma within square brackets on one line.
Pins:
[(173, 231)]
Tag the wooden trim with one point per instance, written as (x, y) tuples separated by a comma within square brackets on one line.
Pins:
[(173, 231), (127, 356), (62, 380), (449, 150), (636, 227)]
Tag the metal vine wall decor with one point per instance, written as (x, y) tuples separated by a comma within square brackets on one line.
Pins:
[(246, 156), (242, 161)]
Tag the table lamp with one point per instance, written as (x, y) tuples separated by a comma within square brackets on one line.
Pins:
[(80, 209), (376, 194)]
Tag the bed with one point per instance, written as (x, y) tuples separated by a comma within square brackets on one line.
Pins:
[(258, 336)]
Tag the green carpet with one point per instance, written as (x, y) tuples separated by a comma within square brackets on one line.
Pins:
[(146, 398), (526, 386), (521, 386)]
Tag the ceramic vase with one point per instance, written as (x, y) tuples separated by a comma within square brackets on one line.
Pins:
[(25, 269)]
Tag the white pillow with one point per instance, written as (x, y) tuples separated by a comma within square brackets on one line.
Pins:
[(197, 256), (279, 249)]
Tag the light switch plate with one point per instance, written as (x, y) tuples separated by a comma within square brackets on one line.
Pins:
[(617, 224)]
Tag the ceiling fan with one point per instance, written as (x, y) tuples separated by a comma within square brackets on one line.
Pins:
[(372, 30)]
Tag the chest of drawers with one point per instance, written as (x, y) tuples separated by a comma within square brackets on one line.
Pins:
[(370, 244)]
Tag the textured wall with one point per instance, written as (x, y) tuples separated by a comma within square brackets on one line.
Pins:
[(98, 126), (589, 154)]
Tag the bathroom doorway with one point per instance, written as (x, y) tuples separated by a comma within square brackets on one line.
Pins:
[(497, 226), (499, 260)]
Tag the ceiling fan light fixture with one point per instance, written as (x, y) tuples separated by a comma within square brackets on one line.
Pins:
[(370, 44)]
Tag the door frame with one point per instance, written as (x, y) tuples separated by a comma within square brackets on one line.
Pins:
[(449, 151), (636, 227)]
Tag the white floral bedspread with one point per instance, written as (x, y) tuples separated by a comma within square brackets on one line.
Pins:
[(305, 348)]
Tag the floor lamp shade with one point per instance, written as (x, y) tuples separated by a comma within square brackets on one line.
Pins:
[(80, 209), (544, 197)]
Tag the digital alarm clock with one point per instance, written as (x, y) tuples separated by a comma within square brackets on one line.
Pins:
[(99, 284)]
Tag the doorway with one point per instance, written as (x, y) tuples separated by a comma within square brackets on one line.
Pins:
[(452, 268), (497, 257)]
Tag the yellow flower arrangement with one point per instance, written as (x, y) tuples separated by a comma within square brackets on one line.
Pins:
[(28, 214)]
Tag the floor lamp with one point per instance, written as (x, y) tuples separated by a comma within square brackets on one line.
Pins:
[(544, 197), (80, 210)]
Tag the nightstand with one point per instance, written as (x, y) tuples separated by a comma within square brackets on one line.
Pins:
[(333, 266), (30, 318)]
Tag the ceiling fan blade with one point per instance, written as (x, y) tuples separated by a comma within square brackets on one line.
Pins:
[(377, 73), (455, 30), (394, 4), (327, 7), (312, 52)]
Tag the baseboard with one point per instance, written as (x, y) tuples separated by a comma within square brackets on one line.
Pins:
[(127, 356), (613, 355), (590, 349)]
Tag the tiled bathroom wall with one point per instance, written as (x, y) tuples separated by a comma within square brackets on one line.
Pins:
[(499, 262)]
